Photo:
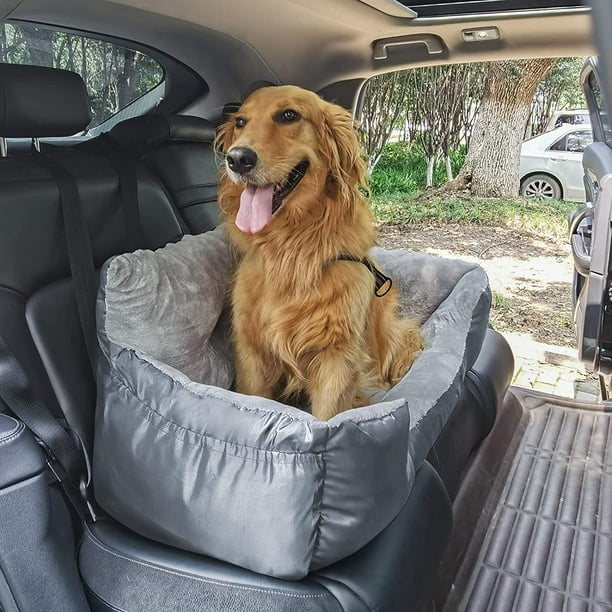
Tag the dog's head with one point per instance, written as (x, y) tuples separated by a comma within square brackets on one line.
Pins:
[(285, 149)]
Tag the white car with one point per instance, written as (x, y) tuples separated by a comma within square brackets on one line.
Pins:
[(551, 163)]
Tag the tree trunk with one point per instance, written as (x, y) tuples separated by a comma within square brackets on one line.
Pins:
[(39, 42), (492, 163), (449, 167), (126, 78), (431, 162)]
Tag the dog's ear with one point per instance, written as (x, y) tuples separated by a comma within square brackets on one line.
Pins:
[(340, 146), (224, 136)]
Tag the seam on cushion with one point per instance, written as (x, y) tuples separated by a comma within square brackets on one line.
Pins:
[(189, 576), (4, 579), (199, 201), (317, 509), (199, 434), (213, 395), (13, 434), (190, 187), (13, 292), (103, 600)]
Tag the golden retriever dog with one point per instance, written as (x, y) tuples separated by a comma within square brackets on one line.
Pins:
[(307, 316)]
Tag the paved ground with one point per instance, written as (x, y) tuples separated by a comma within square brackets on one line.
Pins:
[(554, 369)]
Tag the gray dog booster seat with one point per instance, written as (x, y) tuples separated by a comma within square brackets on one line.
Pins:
[(181, 458)]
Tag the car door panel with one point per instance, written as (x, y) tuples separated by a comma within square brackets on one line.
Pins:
[(591, 242)]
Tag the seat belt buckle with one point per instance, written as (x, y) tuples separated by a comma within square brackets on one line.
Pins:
[(78, 494)]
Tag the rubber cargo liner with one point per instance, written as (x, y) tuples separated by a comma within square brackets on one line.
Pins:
[(549, 545)]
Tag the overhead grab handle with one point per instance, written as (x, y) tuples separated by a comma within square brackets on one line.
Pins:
[(433, 44)]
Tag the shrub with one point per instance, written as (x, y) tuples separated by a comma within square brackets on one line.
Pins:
[(402, 168)]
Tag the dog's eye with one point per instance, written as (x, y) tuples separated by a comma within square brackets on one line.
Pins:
[(240, 122), (288, 116)]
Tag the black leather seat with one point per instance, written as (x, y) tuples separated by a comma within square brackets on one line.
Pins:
[(178, 150), (39, 321)]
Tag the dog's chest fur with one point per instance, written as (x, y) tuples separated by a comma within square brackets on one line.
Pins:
[(290, 322)]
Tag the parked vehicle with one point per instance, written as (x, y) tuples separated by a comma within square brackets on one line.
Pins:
[(551, 163), (500, 495), (570, 117)]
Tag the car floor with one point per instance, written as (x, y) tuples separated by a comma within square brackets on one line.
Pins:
[(544, 540)]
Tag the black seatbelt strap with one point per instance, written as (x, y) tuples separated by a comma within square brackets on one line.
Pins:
[(66, 456), (80, 254), (128, 186), (127, 170)]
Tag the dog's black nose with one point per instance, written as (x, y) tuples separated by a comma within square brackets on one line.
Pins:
[(241, 159)]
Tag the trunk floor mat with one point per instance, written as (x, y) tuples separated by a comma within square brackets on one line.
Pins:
[(549, 544)]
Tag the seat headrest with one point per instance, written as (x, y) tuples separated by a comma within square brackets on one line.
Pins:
[(139, 134), (37, 102)]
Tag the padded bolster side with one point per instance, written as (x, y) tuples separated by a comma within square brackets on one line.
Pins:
[(38, 102), (140, 133), (20, 456), (474, 415), (395, 572), (493, 370)]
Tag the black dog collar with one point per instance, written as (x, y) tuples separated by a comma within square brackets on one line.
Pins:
[(383, 283)]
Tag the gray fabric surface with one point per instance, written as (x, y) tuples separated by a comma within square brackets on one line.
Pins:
[(166, 305), (249, 480)]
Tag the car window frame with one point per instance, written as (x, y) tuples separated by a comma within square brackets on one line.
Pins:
[(182, 84)]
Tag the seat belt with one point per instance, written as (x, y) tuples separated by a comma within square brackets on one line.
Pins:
[(80, 253), (126, 168), (66, 455)]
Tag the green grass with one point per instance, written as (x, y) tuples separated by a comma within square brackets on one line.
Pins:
[(546, 217), (500, 303)]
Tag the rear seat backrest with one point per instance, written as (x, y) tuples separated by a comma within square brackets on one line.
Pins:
[(179, 150), (38, 315)]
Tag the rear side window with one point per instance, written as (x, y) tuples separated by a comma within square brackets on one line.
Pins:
[(121, 82), (576, 142)]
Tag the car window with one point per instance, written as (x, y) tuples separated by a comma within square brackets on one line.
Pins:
[(121, 82), (573, 119), (576, 142), (596, 96)]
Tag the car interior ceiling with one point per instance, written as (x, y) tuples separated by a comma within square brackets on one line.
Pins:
[(504, 463), (314, 45)]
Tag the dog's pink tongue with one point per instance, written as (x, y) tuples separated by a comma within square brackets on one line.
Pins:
[(255, 208)]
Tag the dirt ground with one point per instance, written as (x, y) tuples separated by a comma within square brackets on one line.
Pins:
[(530, 276)]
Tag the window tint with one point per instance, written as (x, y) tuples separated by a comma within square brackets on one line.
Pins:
[(121, 82), (576, 142)]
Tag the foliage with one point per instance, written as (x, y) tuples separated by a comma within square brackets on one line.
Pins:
[(444, 101), (433, 106), (402, 168), (560, 89), (114, 75), (383, 103), (547, 217)]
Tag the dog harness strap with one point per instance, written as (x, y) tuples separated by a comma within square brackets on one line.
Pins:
[(383, 282)]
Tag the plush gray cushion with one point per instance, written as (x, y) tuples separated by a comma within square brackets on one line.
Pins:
[(181, 458)]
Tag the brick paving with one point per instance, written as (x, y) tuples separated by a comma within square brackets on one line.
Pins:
[(554, 369)]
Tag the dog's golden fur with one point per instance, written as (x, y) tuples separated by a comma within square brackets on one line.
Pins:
[(305, 322)]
